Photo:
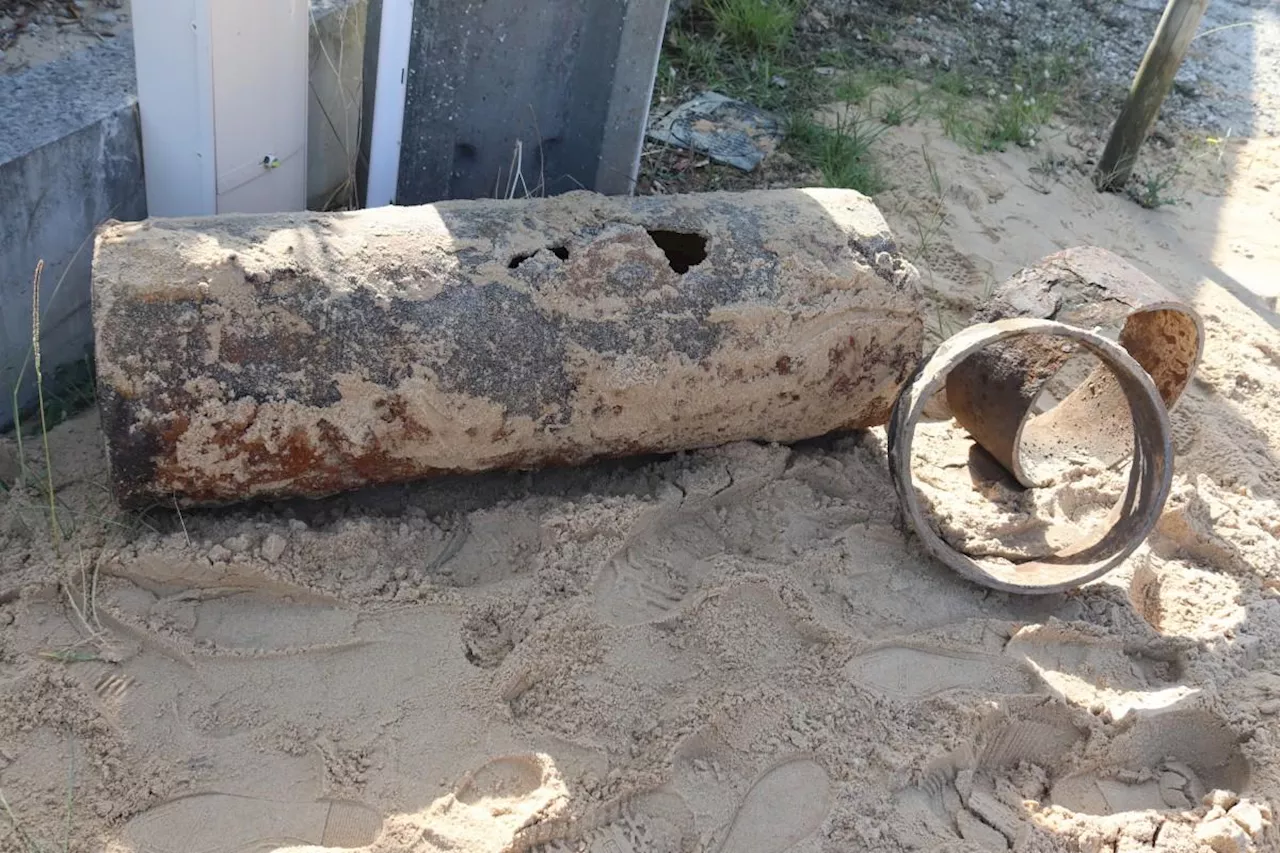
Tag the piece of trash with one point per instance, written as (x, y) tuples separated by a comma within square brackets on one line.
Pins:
[(779, 81), (726, 130)]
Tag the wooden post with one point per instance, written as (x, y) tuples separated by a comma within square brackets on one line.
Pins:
[(1150, 87)]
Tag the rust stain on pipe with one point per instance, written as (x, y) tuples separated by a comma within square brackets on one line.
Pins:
[(994, 392), (306, 354)]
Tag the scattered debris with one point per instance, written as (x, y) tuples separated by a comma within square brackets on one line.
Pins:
[(728, 131)]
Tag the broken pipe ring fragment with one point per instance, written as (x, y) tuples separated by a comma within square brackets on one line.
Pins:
[(303, 354), (993, 394), (1102, 548)]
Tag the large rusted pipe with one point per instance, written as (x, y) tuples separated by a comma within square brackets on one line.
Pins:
[(304, 354)]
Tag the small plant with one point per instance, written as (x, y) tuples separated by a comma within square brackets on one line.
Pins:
[(854, 90), (880, 36), (889, 75), (959, 124), (900, 108), (931, 224), (1017, 118), (695, 59), (1047, 170), (834, 58), (666, 83), (1154, 190), (935, 180), (927, 228), (1013, 118), (761, 80), (953, 83), (756, 25), (843, 153)]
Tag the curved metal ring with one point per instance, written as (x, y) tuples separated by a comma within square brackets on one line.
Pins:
[(995, 393), (1128, 523)]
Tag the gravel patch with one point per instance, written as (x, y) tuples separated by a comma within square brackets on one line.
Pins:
[(1229, 83)]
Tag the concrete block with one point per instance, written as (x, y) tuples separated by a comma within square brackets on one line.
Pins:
[(570, 79), (70, 157)]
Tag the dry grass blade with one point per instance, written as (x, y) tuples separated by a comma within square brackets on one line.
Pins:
[(44, 426), (81, 591)]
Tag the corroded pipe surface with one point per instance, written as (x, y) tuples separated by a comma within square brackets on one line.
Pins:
[(1096, 550), (994, 394), (304, 354)]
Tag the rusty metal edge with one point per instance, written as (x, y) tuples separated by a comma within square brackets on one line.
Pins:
[(1130, 521), (997, 413)]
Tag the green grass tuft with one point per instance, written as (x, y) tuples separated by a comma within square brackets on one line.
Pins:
[(902, 108), (843, 154), (755, 25), (953, 83), (1154, 190), (854, 90), (1017, 118)]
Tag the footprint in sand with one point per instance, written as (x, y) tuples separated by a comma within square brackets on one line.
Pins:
[(492, 804), (228, 823), (237, 623), (1089, 671), (488, 546), (919, 672), (650, 578), (670, 552), (786, 805), (783, 807), (657, 822), (507, 778), (974, 792), (1159, 760), (1081, 669), (1163, 760)]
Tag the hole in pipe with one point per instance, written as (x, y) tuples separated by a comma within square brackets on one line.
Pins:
[(559, 251), (682, 250)]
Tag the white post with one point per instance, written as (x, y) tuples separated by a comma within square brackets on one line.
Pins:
[(175, 104), (222, 95), (394, 37)]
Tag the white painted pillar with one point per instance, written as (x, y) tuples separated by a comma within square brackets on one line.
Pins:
[(222, 94), (394, 36)]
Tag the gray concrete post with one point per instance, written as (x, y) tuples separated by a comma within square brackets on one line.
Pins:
[(570, 80)]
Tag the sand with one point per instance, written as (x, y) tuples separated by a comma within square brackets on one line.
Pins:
[(731, 650)]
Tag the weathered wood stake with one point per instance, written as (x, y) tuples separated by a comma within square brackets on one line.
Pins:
[(303, 354), (1150, 87)]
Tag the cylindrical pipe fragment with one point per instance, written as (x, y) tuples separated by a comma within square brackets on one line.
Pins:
[(251, 356), (995, 393), (1097, 549)]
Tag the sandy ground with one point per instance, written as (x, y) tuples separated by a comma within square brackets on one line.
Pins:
[(731, 650)]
